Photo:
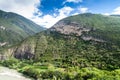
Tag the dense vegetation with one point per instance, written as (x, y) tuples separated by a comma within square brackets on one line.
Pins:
[(105, 27), (64, 50), (43, 71), (14, 28), (54, 56), (66, 57)]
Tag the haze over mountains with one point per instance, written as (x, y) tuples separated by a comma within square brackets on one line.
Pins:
[(14, 28)]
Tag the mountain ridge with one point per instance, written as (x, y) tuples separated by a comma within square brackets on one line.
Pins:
[(84, 46), (14, 28), (97, 23), (53, 42)]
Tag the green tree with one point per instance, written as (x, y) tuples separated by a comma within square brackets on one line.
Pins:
[(41, 46)]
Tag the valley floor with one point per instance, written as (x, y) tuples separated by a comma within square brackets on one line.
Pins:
[(48, 71)]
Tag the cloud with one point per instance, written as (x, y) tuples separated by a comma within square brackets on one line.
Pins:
[(25, 8), (106, 14), (83, 9), (49, 20), (116, 10), (46, 20), (65, 11), (29, 9), (74, 1)]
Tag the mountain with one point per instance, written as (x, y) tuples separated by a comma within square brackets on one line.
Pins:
[(84, 46), (14, 28), (92, 37), (95, 27)]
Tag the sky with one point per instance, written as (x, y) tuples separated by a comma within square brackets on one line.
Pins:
[(47, 12)]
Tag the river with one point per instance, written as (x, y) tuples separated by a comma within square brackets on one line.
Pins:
[(10, 74)]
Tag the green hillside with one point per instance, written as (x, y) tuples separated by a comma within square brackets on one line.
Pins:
[(81, 47), (14, 28), (64, 50), (106, 27)]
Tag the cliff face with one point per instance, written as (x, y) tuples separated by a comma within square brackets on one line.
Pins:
[(7, 53), (25, 50), (74, 28), (70, 28)]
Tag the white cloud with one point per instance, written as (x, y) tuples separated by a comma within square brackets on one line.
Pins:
[(50, 20), (116, 10), (83, 9), (46, 21), (106, 14), (80, 10), (25, 8), (74, 1), (66, 10)]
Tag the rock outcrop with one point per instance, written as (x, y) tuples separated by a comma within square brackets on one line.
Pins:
[(69, 28)]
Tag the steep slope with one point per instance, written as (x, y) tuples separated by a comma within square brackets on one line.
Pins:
[(80, 47), (14, 28), (82, 40), (95, 26)]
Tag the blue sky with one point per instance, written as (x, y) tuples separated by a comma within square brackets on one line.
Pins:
[(94, 6), (47, 12)]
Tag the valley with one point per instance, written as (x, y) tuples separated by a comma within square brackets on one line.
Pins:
[(81, 47)]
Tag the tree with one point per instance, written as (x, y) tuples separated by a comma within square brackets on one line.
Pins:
[(41, 46)]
